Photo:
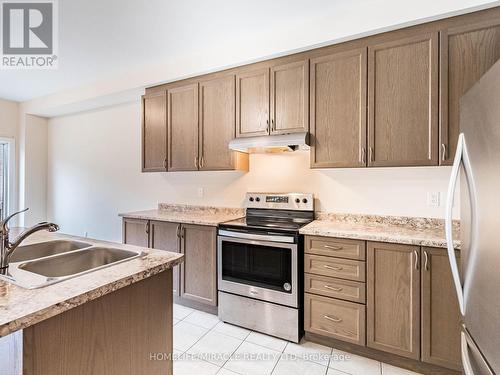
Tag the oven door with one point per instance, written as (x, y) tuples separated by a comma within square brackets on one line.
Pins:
[(260, 269)]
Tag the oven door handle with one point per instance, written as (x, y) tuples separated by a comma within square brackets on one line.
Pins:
[(257, 237)]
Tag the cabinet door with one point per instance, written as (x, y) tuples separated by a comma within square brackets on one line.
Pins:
[(466, 54), (440, 311), (154, 132), (290, 98), (252, 103), (403, 102), (183, 128), (166, 236), (199, 270), (393, 305), (217, 123), (136, 232), (338, 110)]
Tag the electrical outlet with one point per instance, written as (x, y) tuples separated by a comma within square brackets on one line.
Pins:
[(200, 192), (433, 199), (85, 234)]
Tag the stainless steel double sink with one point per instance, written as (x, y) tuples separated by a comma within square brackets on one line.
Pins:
[(45, 263)]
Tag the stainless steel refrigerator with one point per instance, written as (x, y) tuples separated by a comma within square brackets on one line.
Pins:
[(477, 279)]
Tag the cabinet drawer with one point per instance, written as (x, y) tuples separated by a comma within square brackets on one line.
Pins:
[(334, 318), (331, 287), (335, 267), (336, 247)]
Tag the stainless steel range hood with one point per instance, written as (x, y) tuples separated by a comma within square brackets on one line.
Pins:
[(271, 143)]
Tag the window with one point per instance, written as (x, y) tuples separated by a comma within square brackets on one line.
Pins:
[(6, 175)]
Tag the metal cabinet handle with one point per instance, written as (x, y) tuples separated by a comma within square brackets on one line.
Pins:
[(178, 231), (363, 156), (370, 154), (335, 289), (183, 232), (165, 163), (332, 318), (333, 247), (273, 126), (415, 254), (443, 152), (426, 261), (147, 227), (335, 268), (202, 162), (267, 125), (196, 162)]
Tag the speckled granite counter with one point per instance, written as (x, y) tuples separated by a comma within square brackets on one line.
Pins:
[(177, 213), (395, 229), (21, 308)]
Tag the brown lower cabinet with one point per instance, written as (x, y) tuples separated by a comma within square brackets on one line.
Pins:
[(411, 306), (393, 290), (166, 236), (199, 270), (195, 278), (440, 311)]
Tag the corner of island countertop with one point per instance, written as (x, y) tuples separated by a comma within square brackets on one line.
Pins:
[(21, 308)]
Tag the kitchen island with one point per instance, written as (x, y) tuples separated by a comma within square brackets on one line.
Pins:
[(111, 321)]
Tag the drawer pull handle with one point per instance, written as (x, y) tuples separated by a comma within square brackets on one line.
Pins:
[(334, 268), (333, 247), (334, 288), (332, 318)]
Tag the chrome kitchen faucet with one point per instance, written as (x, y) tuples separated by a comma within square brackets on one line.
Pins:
[(7, 247)]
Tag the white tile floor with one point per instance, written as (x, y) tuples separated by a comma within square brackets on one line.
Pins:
[(204, 345)]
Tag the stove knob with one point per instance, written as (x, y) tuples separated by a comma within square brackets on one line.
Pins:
[(304, 200), (250, 199), (297, 200), (257, 199)]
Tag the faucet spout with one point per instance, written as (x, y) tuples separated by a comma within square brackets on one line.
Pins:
[(7, 247)]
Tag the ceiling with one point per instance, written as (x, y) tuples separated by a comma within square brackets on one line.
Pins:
[(103, 40)]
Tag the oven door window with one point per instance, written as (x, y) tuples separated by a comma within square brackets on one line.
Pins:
[(257, 265)]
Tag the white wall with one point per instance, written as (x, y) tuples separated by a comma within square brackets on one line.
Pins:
[(94, 173)]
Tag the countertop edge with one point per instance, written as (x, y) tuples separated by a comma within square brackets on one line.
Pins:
[(82, 298), (416, 241)]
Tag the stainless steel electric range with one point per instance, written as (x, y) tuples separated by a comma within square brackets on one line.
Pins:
[(260, 264)]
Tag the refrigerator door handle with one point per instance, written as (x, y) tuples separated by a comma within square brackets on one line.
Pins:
[(469, 346), (449, 222)]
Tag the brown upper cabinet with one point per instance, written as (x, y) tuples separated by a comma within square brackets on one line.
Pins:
[(467, 52), (154, 132), (183, 128), (289, 97), (393, 305), (252, 103), (403, 101), (338, 109), (273, 100), (218, 124)]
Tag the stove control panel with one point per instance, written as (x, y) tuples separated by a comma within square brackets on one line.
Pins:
[(280, 201)]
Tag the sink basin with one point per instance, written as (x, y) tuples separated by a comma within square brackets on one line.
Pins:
[(45, 249), (77, 262)]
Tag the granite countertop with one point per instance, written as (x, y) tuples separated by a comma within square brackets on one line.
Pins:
[(21, 308), (402, 230), (187, 214)]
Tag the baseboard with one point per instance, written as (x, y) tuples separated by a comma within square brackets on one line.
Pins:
[(196, 305), (392, 359)]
